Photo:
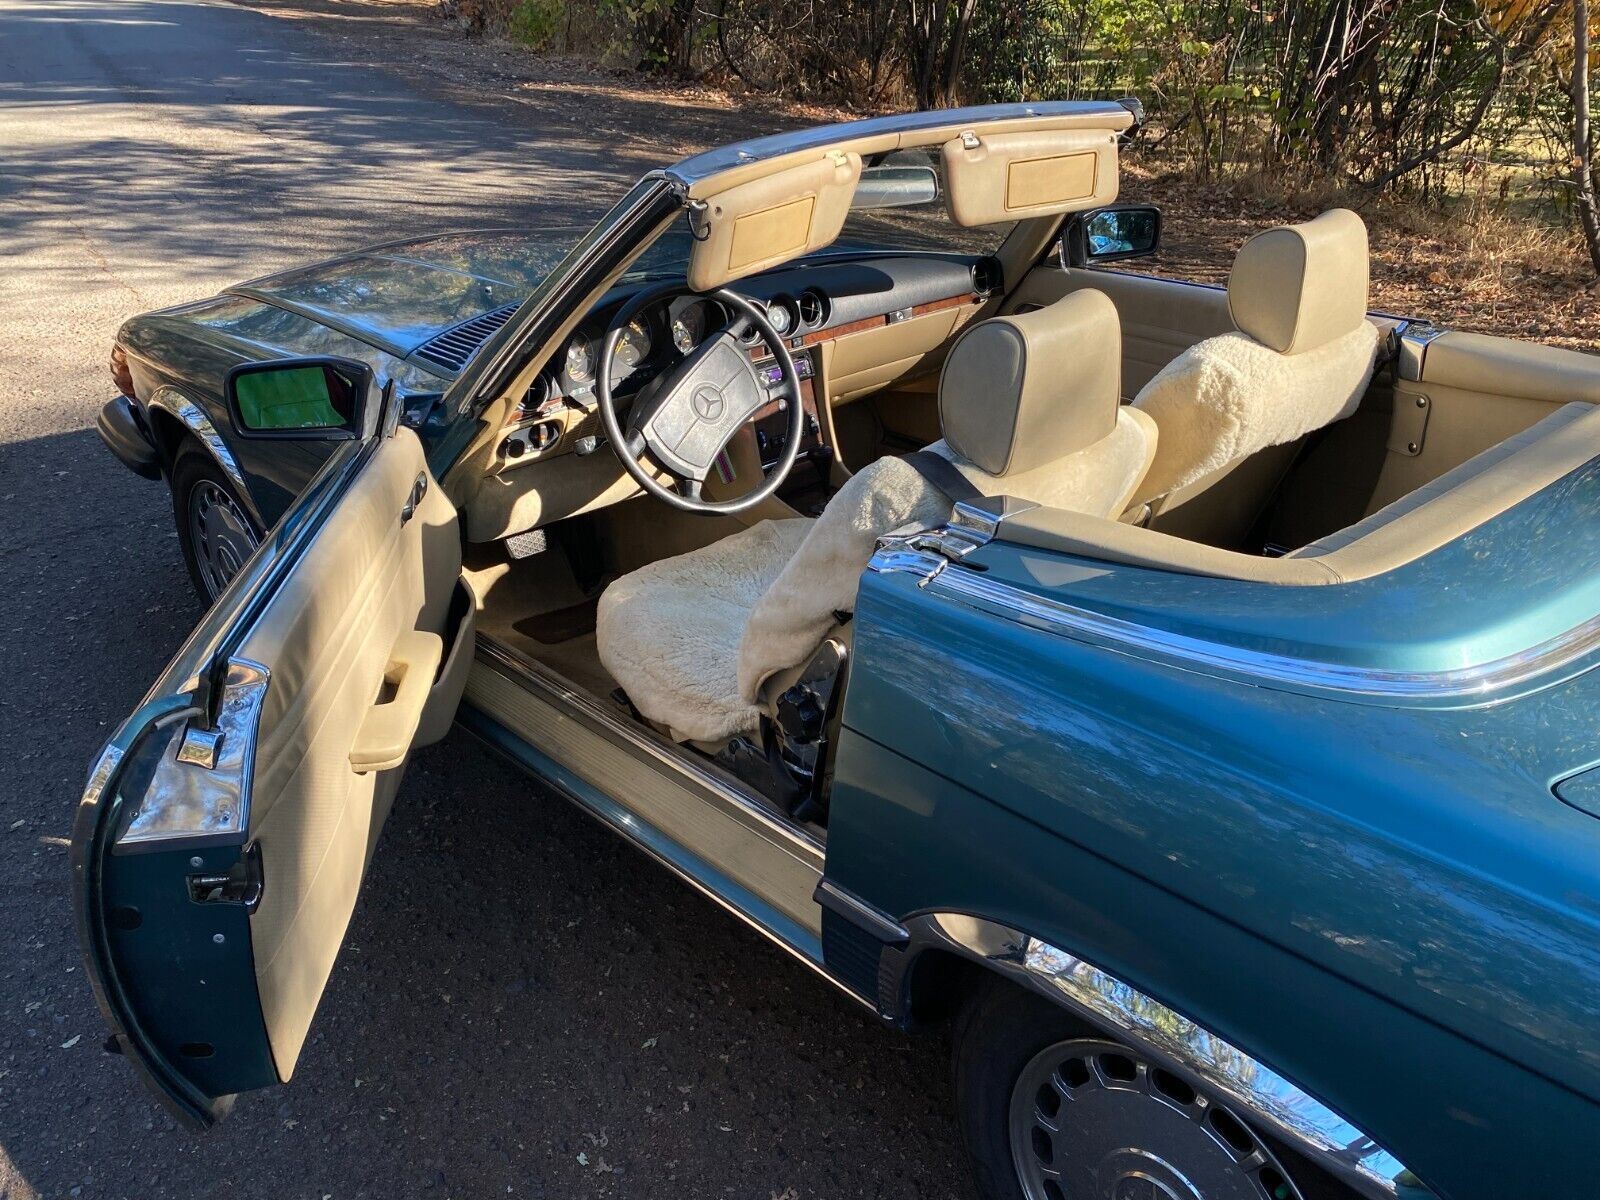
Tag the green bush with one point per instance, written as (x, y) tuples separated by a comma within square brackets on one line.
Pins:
[(537, 23)]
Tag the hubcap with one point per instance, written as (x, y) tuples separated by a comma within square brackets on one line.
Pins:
[(1092, 1120), (221, 534)]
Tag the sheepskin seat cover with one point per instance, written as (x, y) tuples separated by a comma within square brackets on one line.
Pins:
[(792, 617), (1227, 397), (669, 632), (691, 639), (1301, 359)]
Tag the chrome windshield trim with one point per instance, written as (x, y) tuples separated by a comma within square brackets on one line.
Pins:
[(1313, 1128), (697, 167), (1472, 684), (646, 205)]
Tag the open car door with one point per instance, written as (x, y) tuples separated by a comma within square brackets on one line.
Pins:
[(226, 827)]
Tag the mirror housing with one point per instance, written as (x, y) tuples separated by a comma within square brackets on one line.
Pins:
[(1109, 234), (895, 185), (307, 399)]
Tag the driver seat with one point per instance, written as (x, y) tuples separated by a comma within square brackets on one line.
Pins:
[(1029, 406)]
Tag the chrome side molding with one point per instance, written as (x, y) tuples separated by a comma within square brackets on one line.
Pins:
[(1259, 1092), (927, 554)]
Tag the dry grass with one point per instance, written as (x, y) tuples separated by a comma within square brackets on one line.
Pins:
[(1476, 267)]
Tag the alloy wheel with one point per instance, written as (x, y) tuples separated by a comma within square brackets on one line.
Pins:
[(1093, 1120), (222, 536)]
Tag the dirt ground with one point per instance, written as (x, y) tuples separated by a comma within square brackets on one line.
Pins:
[(1489, 275)]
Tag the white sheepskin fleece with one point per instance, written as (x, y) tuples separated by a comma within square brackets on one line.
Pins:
[(691, 639), (791, 619), (669, 632), (1228, 397)]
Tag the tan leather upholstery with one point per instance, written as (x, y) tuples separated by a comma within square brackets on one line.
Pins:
[(1018, 392), (756, 225), (991, 178), (370, 601), (1298, 287), (1303, 359), (1472, 494), (692, 639), (1475, 390)]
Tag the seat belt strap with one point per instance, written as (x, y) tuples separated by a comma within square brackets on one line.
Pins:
[(942, 474)]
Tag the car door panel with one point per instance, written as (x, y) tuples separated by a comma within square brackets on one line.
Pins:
[(220, 857), (366, 583)]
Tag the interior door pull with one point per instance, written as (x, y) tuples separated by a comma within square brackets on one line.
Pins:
[(419, 489)]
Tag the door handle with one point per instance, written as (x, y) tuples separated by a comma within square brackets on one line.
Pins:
[(419, 489), (390, 726)]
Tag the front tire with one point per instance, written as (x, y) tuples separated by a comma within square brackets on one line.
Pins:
[(215, 527), (1051, 1110)]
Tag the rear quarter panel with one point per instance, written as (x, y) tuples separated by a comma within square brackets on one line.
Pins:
[(1383, 900)]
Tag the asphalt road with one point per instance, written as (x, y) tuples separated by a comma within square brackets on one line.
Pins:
[(526, 1007)]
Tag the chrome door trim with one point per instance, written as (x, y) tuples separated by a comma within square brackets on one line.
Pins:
[(195, 801), (1475, 684), (1311, 1127)]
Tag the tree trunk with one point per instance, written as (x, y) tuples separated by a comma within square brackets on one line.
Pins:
[(1582, 146)]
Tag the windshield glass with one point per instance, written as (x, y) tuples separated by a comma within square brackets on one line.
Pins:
[(925, 226)]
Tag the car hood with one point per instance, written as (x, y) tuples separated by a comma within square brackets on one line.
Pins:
[(399, 295)]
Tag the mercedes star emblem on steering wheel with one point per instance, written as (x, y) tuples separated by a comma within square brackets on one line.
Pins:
[(708, 402)]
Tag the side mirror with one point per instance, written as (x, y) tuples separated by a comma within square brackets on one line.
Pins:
[(311, 399), (1109, 234), (895, 186)]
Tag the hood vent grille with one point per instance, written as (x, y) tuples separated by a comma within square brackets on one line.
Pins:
[(455, 346)]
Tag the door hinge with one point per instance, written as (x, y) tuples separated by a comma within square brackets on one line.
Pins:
[(242, 883)]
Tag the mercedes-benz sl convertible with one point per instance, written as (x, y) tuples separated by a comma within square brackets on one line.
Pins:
[(1184, 695)]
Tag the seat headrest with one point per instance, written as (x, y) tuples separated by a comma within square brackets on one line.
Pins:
[(1298, 287), (1021, 391)]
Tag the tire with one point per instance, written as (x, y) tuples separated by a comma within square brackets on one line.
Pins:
[(215, 527), (1131, 1127)]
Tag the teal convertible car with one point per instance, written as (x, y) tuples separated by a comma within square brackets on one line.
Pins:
[(1184, 695)]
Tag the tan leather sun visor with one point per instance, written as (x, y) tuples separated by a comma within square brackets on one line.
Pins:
[(993, 178), (773, 219)]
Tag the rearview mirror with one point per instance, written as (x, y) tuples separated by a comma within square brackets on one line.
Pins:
[(896, 185), (313, 399), (1108, 234)]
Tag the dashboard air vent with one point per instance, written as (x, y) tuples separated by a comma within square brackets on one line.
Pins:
[(813, 309), (455, 346), (987, 276)]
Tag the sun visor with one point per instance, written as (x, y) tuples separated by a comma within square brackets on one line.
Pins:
[(994, 178), (773, 219)]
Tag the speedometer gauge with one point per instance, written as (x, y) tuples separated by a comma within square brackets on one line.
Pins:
[(687, 329), (580, 359), (633, 347)]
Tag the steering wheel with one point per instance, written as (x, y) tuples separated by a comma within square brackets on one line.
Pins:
[(692, 410)]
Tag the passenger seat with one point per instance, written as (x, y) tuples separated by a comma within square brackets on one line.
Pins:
[(1301, 359)]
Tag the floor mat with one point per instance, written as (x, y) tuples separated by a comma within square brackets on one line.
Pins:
[(561, 625)]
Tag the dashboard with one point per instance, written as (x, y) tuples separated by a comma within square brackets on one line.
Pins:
[(827, 297)]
